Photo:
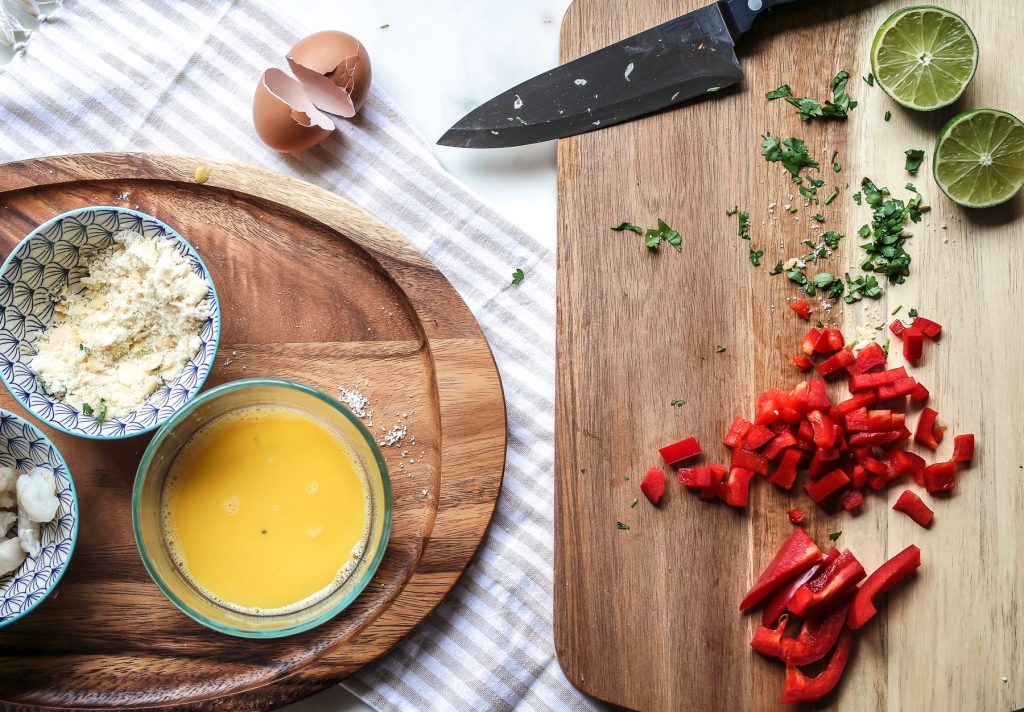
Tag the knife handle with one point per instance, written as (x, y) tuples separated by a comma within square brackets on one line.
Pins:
[(742, 13)]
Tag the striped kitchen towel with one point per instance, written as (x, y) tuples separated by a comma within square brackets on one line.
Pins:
[(178, 77)]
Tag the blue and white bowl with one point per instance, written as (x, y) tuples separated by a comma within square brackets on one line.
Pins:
[(23, 447), (35, 273)]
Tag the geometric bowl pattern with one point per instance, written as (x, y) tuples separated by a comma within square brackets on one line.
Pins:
[(32, 277)]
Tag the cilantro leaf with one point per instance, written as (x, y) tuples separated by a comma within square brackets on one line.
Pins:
[(620, 525), (86, 408), (627, 226), (719, 349), (780, 93), (834, 536), (101, 412), (777, 269), (808, 108), (832, 239), (818, 217), (912, 313), (517, 276), (755, 257), (888, 115), (744, 225), (677, 402), (792, 153), (915, 157), (869, 79), (862, 286), (838, 107)]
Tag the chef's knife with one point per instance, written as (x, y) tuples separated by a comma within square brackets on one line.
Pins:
[(679, 60)]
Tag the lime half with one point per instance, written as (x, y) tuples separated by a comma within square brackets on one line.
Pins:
[(979, 158), (924, 57)]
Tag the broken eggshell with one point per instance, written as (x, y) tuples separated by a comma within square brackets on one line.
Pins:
[(284, 116), (334, 69)]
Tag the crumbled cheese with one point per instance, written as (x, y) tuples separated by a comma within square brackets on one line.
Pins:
[(133, 325)]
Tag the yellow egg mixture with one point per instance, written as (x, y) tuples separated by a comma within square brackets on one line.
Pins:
[(265, 509)]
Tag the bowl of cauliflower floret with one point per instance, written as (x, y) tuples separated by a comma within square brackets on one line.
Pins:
[(38, 517)]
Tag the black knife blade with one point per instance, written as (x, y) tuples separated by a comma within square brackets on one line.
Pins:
[(679, 60)]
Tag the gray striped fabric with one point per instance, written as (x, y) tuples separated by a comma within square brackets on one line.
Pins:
[(178, 77)]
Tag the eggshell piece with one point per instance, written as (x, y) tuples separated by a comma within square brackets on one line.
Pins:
[(284, 117), (335, 70)]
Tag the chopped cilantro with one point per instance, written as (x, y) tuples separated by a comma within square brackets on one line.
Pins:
[(820, 324), (633, 503), (677, 402), (886, 252), (654, 237), (915, 157), (862, 286), (912, 313), (896, 310), (837, 108), (792, 153), (719, 349), (834, 536), (888, 115), (383, 27), (755, 257), (885, 347), (86, 408), (857, 198), (730, 213), (86, 349), (777, 269), (620, 525), (792, 209), (832, 196), (832, 239), (627, 226), (101, 412), (869, 79), (807, 107), (835, 164), (517, 276), (744, 225), (780, 93), (626, 478), (818, 217)]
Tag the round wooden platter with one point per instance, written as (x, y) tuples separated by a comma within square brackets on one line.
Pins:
[(312, 289)]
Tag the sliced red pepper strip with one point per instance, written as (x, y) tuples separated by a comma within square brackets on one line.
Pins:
[(859, 478), (861, 400), (928, 327), (817, 395), (802, 362), (800, 688), (865, 381), (902, 463), (779, 443), (963, 448), (785, 472), (737, 431), (882, 438), (853, 499), (736, 487), (775, 606), (824, 431), (897, 327), (913, 343), (653, 485), (802, 308), (816, 638), (796, 516), (857, 421), (682, 450), (881, 580), (749, 460), (841, 359), (911, 505), (920, 393), (809, 341), (870, 356), (758, 436), (797, 554), (897, 389), (828, 588), (827, 486), (925, 431), (940, 477), (768, 414)]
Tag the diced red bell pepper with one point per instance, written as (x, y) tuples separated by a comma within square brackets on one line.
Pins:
[(800, 688), (749, 460), (737, 431), (861, 400), (817, 636), (809, 341), (911, 505), (779, 443), (822, 462), (802, 362), (768, 414), (940, 477), (716, 473), (920, 393), (758, 436), (682, 450), (897, 389), (826, 590), (736, 487), (963, 448), (817, 395), (928, 327), (824, 431), (797, 554), (653, 485), (925, 432), (797, 516), (902, 463), (879, 420), (695, 477), (897, 327), (835, 339), (881, 580), (913, 343), (870, 356), (805, 433), (882, 438), (840, 359), (802, 308), (827, 486), (874, 465), (865, 381), (859, 478), (785, 472), (857, 421), (852, 500)]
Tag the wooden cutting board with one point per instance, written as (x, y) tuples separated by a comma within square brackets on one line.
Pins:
[(312, 289), (647, 617)]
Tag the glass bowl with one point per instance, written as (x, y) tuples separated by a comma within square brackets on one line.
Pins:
[(149, 486)]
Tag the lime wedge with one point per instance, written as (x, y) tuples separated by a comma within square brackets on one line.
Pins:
[(924, 57), (979, 158)]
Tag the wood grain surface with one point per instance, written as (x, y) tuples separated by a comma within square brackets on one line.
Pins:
[(647, 617), (312, 289)]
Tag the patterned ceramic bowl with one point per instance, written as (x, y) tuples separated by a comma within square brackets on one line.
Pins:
[(34, 274), (23, 447)]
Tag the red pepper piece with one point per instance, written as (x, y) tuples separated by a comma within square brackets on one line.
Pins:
[(963, 448), (920, 393), (768, 414), (809, 340), (695, 477), (882, 438), (859, 478), (775, 606), (897, 389), (802, 362), (816, 638), (928, 327), (852, 500), (737, 431), (758, 436), (800, 688), (870, 356), (911, 505), (841, 359), (925, 431), (825, 590), (827, 486), (797, 516), (805, 433), (824, 431), (749, 460), (865, 381), (913, 343), (874, 466), (802, 308), (716, 473), (902, 463), (817, 395), (861, 400), (735, 488), (785, 472), (797, 554), (881, 580), (829, 340), (779, 443), (897, 327), (879, 420), (940, 477), (653, 485), (857, 421), (682, 450)]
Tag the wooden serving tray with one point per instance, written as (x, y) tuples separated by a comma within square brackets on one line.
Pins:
[(312, 289), (647, 618)]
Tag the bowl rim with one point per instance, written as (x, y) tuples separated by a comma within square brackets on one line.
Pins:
[(216, 305), (74, 524), (176, 418)]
